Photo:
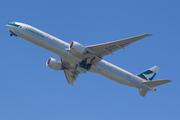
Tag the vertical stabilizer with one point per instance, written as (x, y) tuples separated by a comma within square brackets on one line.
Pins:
[(149, 74)]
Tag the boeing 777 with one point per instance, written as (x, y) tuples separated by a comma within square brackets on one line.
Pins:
[(76, 58)]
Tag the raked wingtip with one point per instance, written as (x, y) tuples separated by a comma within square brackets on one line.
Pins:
[(148, 34)]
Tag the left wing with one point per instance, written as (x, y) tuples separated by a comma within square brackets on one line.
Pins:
[(101, 50)]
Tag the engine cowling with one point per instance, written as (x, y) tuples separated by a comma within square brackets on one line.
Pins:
[(77, 47), (54, 64)]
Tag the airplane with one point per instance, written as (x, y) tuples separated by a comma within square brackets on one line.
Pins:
[(76, 58)]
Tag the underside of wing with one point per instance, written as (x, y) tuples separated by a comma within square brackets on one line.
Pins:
[(70, 72), (71, 75), (101, 50), (93, 54)]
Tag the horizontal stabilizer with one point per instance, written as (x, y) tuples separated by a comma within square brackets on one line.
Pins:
[(156, 82), (142, 92)]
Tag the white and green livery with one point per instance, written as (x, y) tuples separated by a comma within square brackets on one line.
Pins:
[(76, 58)]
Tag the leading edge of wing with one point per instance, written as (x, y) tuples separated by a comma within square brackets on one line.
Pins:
[(103, 49), (142, 36)]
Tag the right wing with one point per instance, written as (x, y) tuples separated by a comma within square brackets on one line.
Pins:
[(71, 75), (70, 72)]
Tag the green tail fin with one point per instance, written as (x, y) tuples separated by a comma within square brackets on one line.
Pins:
[(149, 74)]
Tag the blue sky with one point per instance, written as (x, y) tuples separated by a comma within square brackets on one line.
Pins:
[(29, 90)]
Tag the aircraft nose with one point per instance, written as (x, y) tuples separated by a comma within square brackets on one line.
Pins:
[(8, 25), (12, 28), (11, 24)]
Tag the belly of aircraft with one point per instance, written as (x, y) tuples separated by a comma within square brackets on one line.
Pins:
[(114, 75)]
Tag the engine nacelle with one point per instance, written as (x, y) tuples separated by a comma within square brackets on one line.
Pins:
[(54, 64), (77, 47)]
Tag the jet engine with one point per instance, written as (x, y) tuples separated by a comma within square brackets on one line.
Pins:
[(77, 47), (54, 64)]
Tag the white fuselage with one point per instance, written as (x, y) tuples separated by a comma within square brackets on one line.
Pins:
[(60, 47)]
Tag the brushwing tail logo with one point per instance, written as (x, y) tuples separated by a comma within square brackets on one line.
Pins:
[(149, 74)]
